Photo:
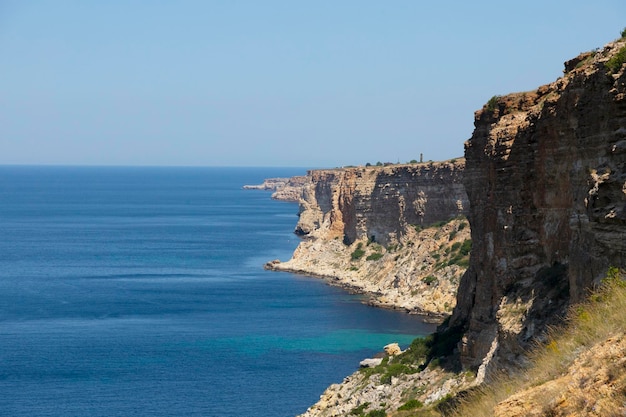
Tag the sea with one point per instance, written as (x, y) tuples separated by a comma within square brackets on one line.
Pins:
[(140, 291)]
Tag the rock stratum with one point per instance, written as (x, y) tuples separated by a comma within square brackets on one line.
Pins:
[(546, 180), (369, 229)]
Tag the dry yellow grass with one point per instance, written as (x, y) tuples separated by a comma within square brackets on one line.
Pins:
[(581, 371)]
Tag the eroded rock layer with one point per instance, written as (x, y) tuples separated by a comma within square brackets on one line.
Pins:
[(378, 203), (546, 180)]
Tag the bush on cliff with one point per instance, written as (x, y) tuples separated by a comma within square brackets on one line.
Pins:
[(492, 104), (358, 252), (615, 63), (374, 256)]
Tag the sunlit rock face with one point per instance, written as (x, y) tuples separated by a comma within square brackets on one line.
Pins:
[(379, 202), (385, 212), (546, 180)]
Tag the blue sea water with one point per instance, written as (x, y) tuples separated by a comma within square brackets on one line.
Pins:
[(140, 291)]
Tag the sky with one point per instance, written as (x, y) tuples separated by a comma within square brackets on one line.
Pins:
[(272, 83)]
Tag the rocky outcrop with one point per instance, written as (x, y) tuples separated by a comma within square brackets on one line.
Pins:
[(291, 190), (377, 203), (546, 180), (367, 229), (366, 392), (285, 189), (269, 184)]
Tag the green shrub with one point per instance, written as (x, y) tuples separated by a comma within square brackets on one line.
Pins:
[(439, 224), (466, 247), (455, 246), (492, 104), (394, 370), (374, 256), (358, 252), (452, 235), (463, 263), (623, 33), (615, 63), (376, 413), (460, 260), (358, 411), (411, 405), (416, 352), (462, 226), (429, 279)]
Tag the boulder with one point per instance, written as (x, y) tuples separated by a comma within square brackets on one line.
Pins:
[(393, 349), (370, 362)]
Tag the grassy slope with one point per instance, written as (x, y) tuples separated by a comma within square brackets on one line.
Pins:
[(582, 371), (559, 382)]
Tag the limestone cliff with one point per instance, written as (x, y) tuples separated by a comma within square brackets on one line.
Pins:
[(546, 180), (284, 189), (366, 229), (379, 202)]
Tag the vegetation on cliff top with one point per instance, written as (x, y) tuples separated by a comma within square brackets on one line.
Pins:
[(615, 63)]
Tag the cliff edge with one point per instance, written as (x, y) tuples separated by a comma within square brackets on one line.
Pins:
[(396, 233), (546, 180)]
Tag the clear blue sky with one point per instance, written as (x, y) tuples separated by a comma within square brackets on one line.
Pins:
[(272, 83)]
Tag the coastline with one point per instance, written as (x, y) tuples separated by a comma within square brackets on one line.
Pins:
[(419, 275), (370, 298)]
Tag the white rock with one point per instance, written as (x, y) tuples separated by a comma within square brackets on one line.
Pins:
[(393, 349), (370, 362)]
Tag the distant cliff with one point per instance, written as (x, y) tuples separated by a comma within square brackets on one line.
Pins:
[(546, 180), (285, 189), (367, 229)]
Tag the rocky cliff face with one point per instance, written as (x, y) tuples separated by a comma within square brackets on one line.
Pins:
[(546, 180), (366, 229), (284, 189), (377, 203)]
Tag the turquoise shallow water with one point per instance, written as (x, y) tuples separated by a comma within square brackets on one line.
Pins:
[(140, 291)]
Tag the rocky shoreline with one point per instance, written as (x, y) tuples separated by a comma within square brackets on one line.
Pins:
[(395, 234), (284, 189), (418, 276)]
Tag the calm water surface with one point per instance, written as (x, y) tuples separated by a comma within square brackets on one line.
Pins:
[(140, 291)]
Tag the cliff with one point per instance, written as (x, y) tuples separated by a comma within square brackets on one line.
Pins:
[(285, 189), (367, 229), (269, 184), (546, 180)]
